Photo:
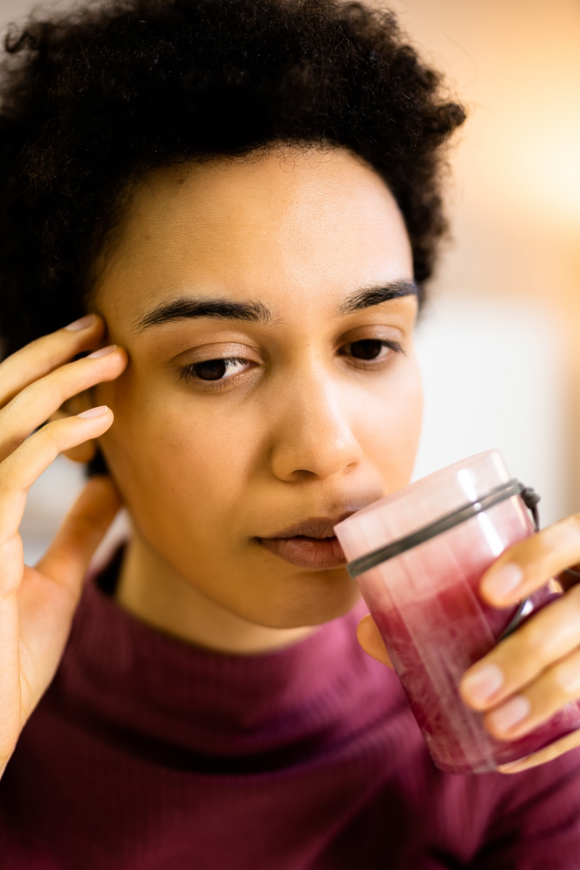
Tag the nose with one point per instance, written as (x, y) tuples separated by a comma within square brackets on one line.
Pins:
[(313, 435)]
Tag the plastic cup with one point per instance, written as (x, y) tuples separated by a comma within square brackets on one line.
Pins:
[(418, 556)]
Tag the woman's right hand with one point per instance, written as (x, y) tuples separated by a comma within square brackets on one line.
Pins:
[(37, 604)]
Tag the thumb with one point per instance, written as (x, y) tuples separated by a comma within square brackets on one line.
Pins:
[(371, 641), (81, 532)]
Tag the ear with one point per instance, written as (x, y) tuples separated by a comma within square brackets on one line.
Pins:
[(82, 452)]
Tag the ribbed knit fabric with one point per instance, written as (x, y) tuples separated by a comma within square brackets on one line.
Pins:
[(148, 753)]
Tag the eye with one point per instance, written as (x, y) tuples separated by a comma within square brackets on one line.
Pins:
[(213, 374), (213, 369), (371, 349)]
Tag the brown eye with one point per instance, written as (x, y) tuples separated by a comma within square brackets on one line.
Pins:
[(371, 350), (211, 370), (367, 348)]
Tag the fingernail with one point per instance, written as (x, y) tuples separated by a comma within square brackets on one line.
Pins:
[(94, 412), (511, 713), (102, 352), (83, 323), (512, 764), (482, 684), (503, 581)]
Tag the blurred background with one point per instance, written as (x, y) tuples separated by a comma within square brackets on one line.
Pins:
[(501, 349), (500, 340)]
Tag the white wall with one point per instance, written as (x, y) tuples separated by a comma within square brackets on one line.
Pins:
[(493, 376)]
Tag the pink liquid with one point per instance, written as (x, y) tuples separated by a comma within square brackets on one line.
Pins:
[(435, 626)]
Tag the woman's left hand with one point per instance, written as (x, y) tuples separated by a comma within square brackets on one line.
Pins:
[(535, 671), (532, 674)]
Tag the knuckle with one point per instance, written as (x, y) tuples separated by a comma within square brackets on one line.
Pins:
[(9, 478), (61, 384), (563, 680), (65, 386), (50, 436), (535, 641), (10, 444), (29, 398), (14, 405), (567, 524), (519, 657)]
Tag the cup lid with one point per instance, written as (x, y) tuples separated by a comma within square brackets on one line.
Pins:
[(389, 551), (422, 504)]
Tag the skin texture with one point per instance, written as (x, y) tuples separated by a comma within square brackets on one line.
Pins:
[(300, 430), (303, 429)]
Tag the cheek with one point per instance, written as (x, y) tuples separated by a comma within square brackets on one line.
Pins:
[(391, 424), (165, 453), (214, 452)]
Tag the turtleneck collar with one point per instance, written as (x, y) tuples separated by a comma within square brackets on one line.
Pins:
[(190, 706)]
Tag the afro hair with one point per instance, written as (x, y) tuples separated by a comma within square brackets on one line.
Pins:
[(93, 99)]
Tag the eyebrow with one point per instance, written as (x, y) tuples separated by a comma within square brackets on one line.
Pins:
[(189, 307)]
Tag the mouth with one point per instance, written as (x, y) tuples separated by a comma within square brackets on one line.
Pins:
[(305, 552)]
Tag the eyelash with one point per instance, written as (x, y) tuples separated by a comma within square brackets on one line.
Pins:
[(187, 373)]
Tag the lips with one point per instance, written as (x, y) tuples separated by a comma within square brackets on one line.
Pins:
[(306, 552), (310, 544), (314, 527)]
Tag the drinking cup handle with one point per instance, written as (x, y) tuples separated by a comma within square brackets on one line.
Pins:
[(531, 498)]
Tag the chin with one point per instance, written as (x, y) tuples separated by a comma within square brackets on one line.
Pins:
[(315, 608)]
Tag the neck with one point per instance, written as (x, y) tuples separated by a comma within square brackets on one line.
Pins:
[(152, 591)]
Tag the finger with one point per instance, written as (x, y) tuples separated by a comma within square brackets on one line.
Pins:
[(549, 753), (81, 532), (527, 566), (36, 402), (19, 471), (545, 638), (45, 354), (370, 639), (538, 702), (49, 593)]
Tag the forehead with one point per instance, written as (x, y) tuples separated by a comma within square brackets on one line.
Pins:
[(281, 225)]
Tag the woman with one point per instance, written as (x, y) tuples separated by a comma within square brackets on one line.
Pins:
[(237, 202)]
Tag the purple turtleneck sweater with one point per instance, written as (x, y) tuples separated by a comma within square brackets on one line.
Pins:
[(148, 753)]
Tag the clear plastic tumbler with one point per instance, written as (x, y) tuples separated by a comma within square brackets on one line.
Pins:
[(418, 556)]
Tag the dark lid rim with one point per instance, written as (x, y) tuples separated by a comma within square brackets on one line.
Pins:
[(500, 493)]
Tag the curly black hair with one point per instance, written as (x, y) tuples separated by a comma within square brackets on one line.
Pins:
[(94, 99)]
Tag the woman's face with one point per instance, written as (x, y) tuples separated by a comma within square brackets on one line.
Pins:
[(296, 402)]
